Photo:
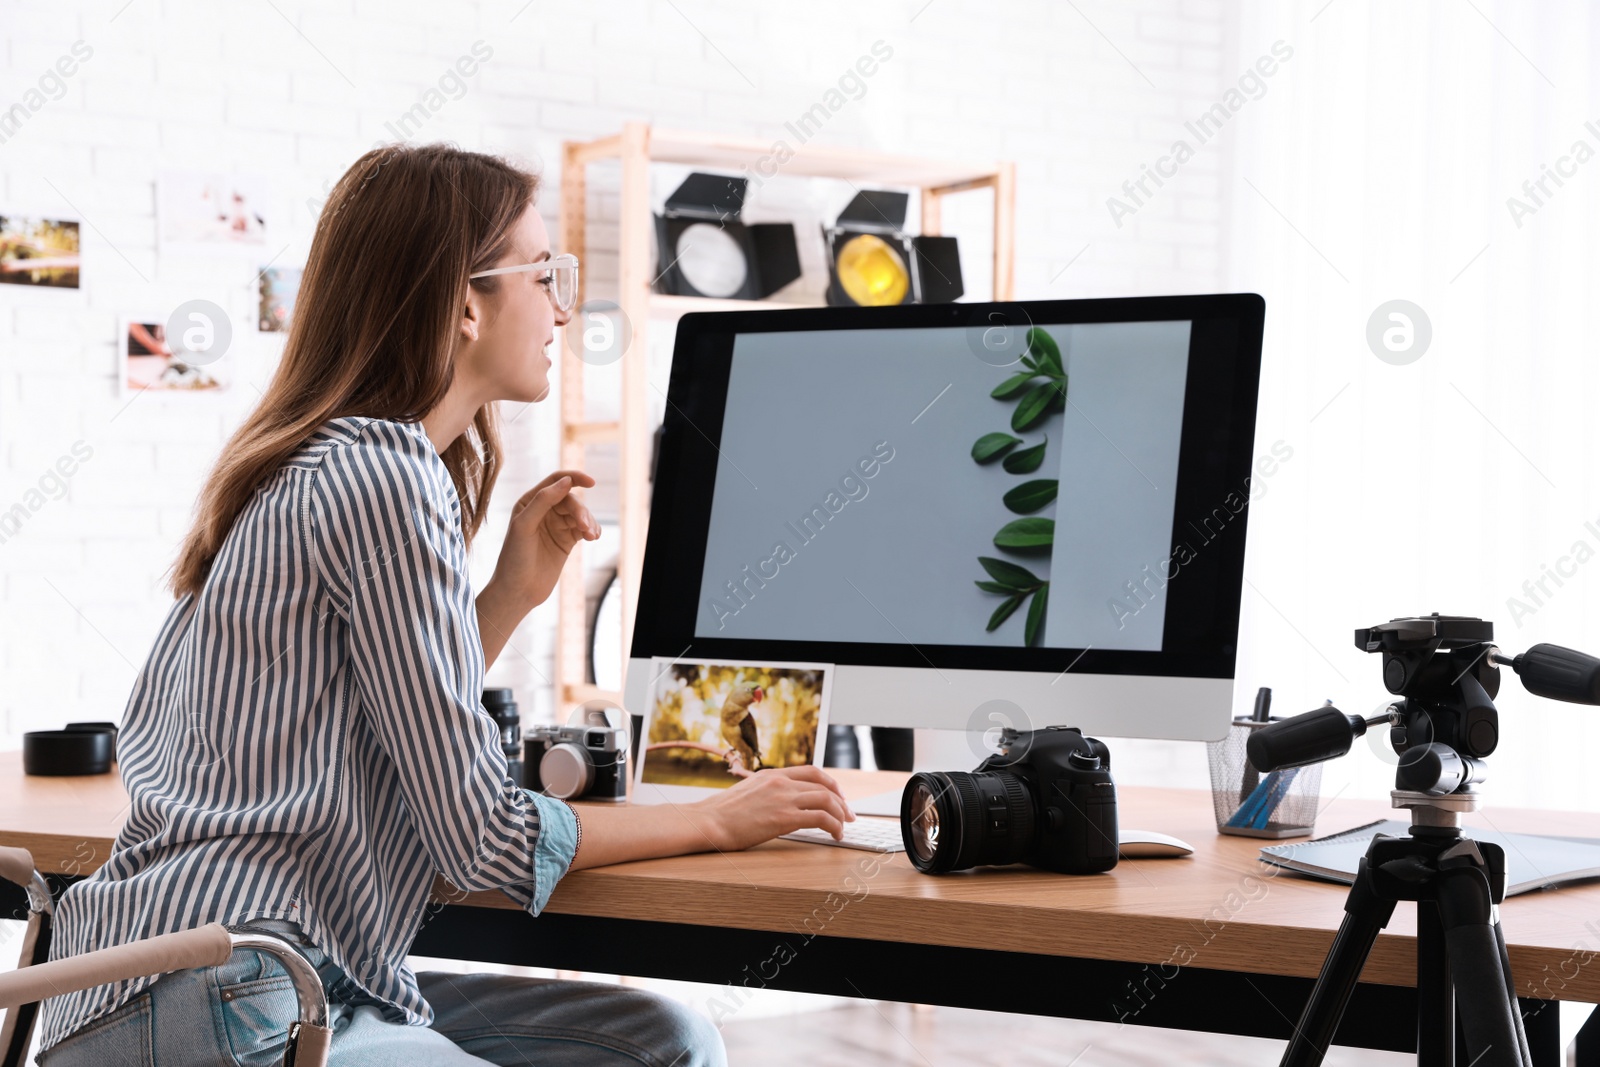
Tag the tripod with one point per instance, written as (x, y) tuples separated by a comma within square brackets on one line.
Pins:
[(1445, 669), (1456, 884)]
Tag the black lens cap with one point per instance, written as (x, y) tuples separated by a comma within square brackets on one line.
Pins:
[(69, 751)]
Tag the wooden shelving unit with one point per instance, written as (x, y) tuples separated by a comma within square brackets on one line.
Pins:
[(663, 306), (635, 148)]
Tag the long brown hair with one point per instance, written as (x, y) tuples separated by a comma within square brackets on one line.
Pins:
[(375, 326)]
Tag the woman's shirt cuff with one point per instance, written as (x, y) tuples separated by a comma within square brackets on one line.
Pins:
[(555, 847)]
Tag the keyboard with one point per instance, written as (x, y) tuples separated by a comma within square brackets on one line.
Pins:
[(867, 833)]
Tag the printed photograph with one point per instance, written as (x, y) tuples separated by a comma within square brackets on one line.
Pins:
[(713, 723), (278, 287), (148, 362), (41, 252), (204, 212)]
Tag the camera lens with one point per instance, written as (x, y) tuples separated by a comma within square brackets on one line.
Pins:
[(952, 820), (920, 824), (502, 707), (566, 771)]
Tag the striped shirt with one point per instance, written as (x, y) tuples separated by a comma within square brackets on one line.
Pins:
[(306, 740)]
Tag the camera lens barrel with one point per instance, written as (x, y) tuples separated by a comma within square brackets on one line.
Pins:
[(953, 820), (501, 705)]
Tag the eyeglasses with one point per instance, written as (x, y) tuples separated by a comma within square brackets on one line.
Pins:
[(563, 277)]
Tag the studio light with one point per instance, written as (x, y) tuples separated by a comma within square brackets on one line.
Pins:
[(873, 263), (702, 249)]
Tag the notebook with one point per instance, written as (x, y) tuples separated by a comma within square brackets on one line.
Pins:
[(1533, 861)]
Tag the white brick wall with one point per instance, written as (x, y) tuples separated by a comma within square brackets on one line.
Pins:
[(181, 84)]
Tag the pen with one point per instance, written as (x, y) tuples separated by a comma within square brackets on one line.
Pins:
[(1257, 809), (1281, 781)]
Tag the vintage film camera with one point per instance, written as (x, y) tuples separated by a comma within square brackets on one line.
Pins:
[(585, 759)]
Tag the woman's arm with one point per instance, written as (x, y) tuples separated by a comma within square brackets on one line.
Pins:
[(546, 522), (759, 808), (499, 613), (387, 544)]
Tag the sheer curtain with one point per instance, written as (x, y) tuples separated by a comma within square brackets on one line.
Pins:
[(1380, 165)]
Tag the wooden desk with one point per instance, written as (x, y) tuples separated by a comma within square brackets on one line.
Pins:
[(1215, 942)]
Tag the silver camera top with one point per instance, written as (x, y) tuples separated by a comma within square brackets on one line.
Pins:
[(600, 738), (598, 713)]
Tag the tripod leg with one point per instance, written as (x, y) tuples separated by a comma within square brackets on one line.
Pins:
[(1436, 999), (1488, 1010), (1511, 991), (1366, 913)]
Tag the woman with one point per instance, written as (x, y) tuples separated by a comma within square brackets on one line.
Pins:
[(305, 747)]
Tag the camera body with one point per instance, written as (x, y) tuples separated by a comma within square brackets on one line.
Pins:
[(576, 761), (1046, 798), (1075, 799)]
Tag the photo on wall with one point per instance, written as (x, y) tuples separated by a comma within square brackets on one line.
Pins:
[(147, 362), (711, 723), (38, 252), (206, 213), (277, 288)]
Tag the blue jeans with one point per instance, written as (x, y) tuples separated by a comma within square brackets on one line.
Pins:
[(239, 1013)]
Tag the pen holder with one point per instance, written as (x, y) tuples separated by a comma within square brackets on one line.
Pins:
[(1251, 804)]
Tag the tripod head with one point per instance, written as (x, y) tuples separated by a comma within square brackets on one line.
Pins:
[(1445, 672)]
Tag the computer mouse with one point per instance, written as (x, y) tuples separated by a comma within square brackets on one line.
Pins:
[(1147, 844)]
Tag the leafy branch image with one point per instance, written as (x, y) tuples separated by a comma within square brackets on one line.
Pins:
[(1037, 392)]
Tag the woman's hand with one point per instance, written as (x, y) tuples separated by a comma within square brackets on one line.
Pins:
[(546, 522), (775, 801), (768, 803)]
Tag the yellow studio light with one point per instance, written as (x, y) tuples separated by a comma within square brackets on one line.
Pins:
[(871, 272), (873, 262)]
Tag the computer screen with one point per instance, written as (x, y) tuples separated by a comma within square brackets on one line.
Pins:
[(1043, 502), (804, 425)]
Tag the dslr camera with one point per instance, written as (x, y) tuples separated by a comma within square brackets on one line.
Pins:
[(582, 760), (1046, 799)]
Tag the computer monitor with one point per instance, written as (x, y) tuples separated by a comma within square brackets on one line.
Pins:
[(829, 489)]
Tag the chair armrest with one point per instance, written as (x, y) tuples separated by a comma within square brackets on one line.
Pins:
[(16, 865), (207, 946)]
